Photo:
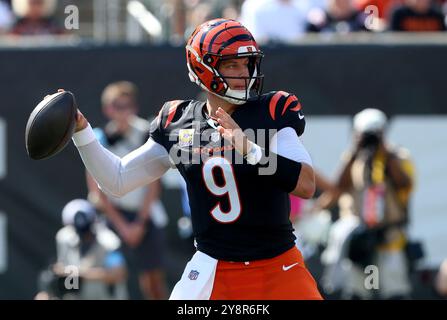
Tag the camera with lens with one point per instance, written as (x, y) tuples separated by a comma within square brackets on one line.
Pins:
[(370, 139)]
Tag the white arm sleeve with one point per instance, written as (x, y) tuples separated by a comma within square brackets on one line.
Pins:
[(286, 143), (118, 176)]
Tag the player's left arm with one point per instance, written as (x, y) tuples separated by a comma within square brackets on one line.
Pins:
[(286, 143), (286, 111), (305, 187)]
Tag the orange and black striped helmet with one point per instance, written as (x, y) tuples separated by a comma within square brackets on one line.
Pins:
[(214, 41)]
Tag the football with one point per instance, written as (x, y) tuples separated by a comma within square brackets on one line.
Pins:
[(51, 125)]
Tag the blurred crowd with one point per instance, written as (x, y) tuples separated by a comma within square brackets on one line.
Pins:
[(269, 20), (30, 17)]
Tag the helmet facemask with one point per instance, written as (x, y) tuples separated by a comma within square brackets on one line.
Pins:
[(253, 83)]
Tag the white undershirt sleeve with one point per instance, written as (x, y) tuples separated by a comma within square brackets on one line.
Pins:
[(286, 143), (118, 176)]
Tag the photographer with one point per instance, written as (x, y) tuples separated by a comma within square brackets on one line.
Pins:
[(93, 250), (379, 177)]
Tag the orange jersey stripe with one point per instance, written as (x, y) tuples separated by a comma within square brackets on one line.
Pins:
[(298, 107), (171, 112), (274, 101), (289, 100)]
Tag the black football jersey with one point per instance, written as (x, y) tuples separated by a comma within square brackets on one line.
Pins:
[(237, 213)]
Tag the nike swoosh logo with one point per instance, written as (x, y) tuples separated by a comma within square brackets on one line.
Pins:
[(301, 116), (285, 268)]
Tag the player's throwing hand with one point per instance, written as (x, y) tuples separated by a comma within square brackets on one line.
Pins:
[(231, 131)]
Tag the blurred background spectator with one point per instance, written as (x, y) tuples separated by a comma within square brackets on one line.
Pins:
[(334, 258), (35, 17), (339, 16), (89, 262), (184, 224), (418, 15), (381, 8), (441, 280), (311, 225), (6, 16), (384, 7), (379, 177), (139, 217), (275, 20), (200, 13)]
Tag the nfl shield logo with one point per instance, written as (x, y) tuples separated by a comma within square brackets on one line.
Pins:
[(186, 137), (193, 275)]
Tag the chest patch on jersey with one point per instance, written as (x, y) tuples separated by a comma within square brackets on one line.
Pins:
[(185, 137)]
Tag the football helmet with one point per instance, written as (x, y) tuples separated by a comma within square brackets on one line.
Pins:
[(215, 41)]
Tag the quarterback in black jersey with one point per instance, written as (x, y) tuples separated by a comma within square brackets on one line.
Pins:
[(225, 197), (240, 155)]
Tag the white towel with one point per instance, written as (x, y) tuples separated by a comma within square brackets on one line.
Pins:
[(197, 280)]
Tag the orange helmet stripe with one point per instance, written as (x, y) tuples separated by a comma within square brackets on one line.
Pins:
[(219, 33), (209, 33), (235, 40)]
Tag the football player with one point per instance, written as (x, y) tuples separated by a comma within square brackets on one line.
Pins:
[(241, 156)]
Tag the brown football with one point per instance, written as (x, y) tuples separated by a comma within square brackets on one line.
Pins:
[(51, 125)]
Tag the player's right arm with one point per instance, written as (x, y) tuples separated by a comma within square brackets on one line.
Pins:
[(130, 232), (118, 176)]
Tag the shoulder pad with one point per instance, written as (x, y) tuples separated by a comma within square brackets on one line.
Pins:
[(281, 101), (170, 112), (285, 110)]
